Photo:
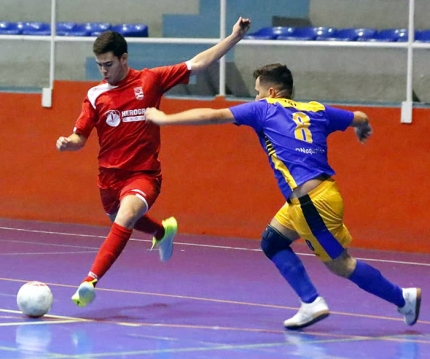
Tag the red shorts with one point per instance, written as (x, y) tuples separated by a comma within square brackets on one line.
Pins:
[(115, 184)]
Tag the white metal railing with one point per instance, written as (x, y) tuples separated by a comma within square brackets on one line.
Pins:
[(410, 45)]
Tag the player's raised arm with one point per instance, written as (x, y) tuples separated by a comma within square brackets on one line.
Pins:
[(72, 143), (363, 130), (202, 60), (198, 116)]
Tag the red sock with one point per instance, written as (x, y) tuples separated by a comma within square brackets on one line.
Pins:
[(150, 225), (109, 251)]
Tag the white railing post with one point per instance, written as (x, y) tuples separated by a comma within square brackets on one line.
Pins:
[(407, 106), (47, 91), (410, 46), (222, 65)]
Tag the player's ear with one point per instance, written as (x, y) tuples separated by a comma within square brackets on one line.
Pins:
[(124, 57), (272, 92)]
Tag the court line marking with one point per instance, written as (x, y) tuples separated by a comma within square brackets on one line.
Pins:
[(47, 253), (47, 315), (214, 300), (327, 337), (134, 353), (199, 298), (222, 347), (260, 345), (68, 319), (49, 244), (190, 244)]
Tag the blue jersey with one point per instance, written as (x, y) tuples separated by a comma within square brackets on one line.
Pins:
[(294, 136)]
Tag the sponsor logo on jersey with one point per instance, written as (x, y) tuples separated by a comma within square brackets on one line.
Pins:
[(113, 118), (310, 151), (135, 115), (138, 92)]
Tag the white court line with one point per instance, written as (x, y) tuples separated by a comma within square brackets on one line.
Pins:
[(61, 319), (187, 297), (191, 244), (93, 250)]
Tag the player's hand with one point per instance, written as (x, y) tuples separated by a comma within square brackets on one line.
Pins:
[(154, 115), (363, 132), (62, 143), (241, 27)]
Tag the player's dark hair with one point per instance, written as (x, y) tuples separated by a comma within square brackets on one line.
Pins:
[(276, 74), (110, 41)]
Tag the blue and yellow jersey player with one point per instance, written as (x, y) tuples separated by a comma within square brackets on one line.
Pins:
[(294, 137)]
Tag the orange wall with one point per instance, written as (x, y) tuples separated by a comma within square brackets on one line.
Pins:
[(217, 180)]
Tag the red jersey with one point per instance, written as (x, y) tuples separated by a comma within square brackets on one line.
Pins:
[(127, 141)]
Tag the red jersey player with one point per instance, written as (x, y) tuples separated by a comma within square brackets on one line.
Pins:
[(129, 170)]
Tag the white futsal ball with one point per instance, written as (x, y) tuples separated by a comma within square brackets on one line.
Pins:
[(34, 299)]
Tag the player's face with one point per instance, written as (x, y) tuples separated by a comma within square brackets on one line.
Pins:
[(262, 90), (112, 68)]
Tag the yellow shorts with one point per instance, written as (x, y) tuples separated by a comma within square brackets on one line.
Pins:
[(318, 218)]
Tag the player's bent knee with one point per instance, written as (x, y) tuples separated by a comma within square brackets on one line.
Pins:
[(112, 216), (343, 266), (272, 242)]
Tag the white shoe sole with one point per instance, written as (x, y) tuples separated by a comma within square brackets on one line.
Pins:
[(318, 317)]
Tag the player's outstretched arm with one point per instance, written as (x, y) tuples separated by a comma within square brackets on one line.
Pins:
[(202, 60), (198, 116), (72, 143), (363, 130)]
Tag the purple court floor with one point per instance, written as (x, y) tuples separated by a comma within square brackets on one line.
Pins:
[(216, 298)]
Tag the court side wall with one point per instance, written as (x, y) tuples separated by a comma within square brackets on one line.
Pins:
[(217, 180)]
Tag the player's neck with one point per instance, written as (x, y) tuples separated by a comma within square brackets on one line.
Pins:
[(126, 72)]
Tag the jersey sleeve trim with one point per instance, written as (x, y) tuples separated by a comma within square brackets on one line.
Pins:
[(312, 106), (96, 91)]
